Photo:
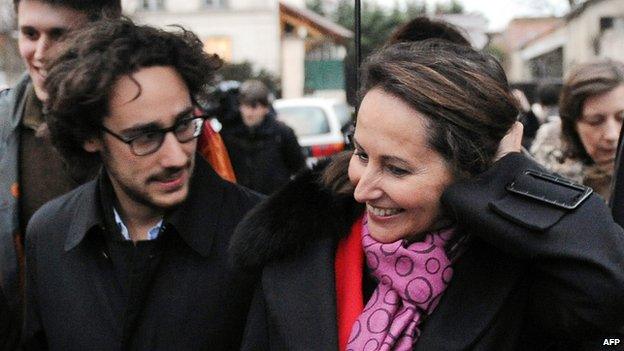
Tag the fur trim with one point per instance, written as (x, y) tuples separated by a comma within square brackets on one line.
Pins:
[(284, 224)]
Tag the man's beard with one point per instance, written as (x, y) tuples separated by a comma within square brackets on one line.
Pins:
[(142, 197)]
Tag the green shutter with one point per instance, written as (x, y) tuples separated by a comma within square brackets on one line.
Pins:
[(324, 75)]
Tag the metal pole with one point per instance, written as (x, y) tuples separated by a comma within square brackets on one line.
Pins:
[(358, 44)]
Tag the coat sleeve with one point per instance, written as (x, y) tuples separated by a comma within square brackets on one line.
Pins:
[(576, 257), (256, 335), (33, 335)]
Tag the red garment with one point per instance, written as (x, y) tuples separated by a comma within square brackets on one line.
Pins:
[(212, 148), (349, 269)]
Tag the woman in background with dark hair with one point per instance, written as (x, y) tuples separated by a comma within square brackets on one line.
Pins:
[(415, 241), (582, 146)]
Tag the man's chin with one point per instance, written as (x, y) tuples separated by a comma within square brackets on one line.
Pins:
[(40, 93), (170, 201)]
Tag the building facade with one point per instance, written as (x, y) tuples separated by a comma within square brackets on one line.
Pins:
[(594, 29), (277, 36)]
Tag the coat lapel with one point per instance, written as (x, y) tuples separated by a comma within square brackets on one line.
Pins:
[(84, 243), (301, 298), (481, 282)]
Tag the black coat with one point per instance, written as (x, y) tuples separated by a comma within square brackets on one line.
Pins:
[(9, 330), (265, 157), (533, 277), (195, 300)]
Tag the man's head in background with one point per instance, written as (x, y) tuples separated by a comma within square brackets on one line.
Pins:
[(43, 27), (254, 102)]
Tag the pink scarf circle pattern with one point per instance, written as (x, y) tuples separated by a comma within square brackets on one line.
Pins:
[(411, 279)]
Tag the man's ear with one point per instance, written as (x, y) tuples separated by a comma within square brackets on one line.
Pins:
[(92, 145)]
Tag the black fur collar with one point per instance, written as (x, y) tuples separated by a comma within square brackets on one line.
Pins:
[(286, 222)]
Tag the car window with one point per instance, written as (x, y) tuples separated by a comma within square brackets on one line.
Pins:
[(304, 120), (344, 114)]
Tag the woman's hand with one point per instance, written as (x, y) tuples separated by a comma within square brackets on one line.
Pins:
[(511, 142)]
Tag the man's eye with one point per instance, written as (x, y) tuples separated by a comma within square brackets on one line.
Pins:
[(58, 34), (184, 125), (146, 138), (30, 33)]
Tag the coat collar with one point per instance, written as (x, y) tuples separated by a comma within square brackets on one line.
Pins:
[(197, 220), (198, 214), (295, 217)]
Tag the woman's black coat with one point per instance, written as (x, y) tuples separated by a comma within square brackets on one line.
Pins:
[(533, 277)]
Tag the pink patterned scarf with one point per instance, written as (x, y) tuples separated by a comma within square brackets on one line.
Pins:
[(412, 280)]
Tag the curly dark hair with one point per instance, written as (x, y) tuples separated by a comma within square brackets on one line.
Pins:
[(463, 93), (95, 9), (584, 81), (81, 79)]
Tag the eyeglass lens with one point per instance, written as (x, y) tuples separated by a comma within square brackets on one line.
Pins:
[(184, 131)]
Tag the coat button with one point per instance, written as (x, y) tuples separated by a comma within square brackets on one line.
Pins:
[(105, 255)]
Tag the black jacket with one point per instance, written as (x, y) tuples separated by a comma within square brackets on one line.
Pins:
[(533, 276), (265, 157), (195, 300)]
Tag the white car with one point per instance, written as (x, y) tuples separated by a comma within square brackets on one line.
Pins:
[(319, 123)]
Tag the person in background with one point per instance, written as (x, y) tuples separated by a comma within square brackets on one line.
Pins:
[(137, 258), (264, 152), (582, 145), (422, 28), (414, 242), (546, 108), (31, 171)]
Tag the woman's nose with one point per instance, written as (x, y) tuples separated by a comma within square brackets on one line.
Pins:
[(612, 129), (368, 186)]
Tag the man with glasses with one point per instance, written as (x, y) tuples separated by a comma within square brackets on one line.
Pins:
[(136, 259)]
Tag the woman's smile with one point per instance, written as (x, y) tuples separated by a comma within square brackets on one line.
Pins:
[(383, 211)]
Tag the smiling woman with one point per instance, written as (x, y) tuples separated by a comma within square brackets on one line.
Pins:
[(421, 246)]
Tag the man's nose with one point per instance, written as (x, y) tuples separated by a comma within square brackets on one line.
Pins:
[(41, 48), (172, 152)]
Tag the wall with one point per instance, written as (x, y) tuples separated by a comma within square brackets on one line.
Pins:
[(251, 25), (584, 29)]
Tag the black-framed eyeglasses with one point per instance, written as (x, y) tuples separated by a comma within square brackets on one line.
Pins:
[(150, 141)]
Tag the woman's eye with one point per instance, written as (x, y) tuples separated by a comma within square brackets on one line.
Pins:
[(593, 120), (361, 156), (397, 171)]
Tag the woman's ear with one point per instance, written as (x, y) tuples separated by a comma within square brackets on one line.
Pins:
[(92, 145)]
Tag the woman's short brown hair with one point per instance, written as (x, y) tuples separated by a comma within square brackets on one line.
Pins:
[(463, 94), (583, 82)]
